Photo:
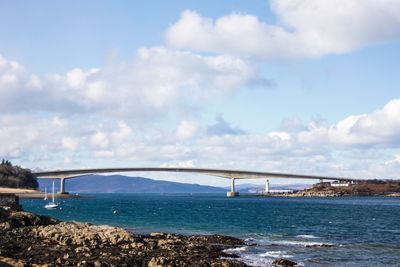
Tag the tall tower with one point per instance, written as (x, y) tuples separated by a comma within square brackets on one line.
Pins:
[(267, 187)]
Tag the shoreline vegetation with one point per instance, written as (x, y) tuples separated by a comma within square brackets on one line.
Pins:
[(13, 176)]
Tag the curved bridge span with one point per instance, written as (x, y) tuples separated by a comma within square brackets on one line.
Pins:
[(224, 173)]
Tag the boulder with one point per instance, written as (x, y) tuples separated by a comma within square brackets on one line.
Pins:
[(284, 263)]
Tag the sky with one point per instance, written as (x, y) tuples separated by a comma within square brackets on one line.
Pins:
[(296, 86)]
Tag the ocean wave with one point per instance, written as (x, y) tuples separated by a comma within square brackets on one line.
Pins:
[(235, 250), (307, 236), (256, 260), (276, 254), (299, 243), (306, 242)]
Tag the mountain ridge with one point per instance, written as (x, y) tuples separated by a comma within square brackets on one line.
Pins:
[(127, 184)]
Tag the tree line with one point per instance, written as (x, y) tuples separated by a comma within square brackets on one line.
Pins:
[(16, 177)]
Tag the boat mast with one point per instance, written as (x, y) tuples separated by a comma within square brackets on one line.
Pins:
[(52, 197)]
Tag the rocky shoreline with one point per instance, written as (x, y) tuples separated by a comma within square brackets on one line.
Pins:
[(27, 239), (371, 188)]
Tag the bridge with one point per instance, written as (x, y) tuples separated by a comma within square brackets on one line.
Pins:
[(63, 175)]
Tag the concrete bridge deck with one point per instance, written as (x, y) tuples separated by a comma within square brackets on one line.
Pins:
[(224, 173)]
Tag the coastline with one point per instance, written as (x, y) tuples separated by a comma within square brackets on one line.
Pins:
[(370, 188), (10, 190), (40, 195), (29, 239), (35, 194), (327, 194)]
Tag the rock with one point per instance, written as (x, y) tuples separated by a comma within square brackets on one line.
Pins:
[(155, 262), (4, 261), (157, 234), (36, 240), (284, 263), (100, 264), (163, 242)]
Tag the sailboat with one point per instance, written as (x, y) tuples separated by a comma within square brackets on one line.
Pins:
[(45, 193), (52, 205)]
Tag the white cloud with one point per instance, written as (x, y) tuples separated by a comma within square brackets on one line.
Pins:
[(380, 128), (180, 164), (22, 135), (335, 149), (70, 143), (305, 28), (99, 140), (157, 82), (186, 130), (121, 133)]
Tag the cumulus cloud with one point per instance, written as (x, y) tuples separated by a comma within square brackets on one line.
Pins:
[(47, 130), (318, 148), (156, 82), (379, 128), (122, 132), (186, 129), (25, 135), (304, 28), (99, 140), (70, 143)]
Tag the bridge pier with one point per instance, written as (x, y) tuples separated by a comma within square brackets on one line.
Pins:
[(62, 186), (232, 193)]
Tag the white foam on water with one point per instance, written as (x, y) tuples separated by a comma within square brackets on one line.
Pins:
[(248, 257), (256, 260), (262, 254), (276, 254), (298, 243), (307, 241), (234, 250), (307, 236)]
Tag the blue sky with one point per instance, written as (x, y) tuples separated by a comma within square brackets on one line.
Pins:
[(298, 86)]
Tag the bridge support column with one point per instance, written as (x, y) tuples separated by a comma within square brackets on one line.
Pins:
[(62, 186), (232, 193), (267, 186)]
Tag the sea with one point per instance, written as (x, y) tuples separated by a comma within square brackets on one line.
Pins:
[(343, 231)]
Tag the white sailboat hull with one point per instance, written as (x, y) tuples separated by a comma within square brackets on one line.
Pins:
[(52, 205)]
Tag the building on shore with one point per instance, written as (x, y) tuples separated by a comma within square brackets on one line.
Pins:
[(340, 183)]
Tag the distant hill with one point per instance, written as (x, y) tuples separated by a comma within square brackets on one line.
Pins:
[(126, 184)]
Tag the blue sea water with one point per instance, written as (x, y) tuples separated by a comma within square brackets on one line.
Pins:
[(363, 231)]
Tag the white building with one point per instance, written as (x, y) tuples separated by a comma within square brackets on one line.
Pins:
[(340, 183)]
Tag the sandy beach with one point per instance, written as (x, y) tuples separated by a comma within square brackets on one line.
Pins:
[(19, 191), (31, 193)]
